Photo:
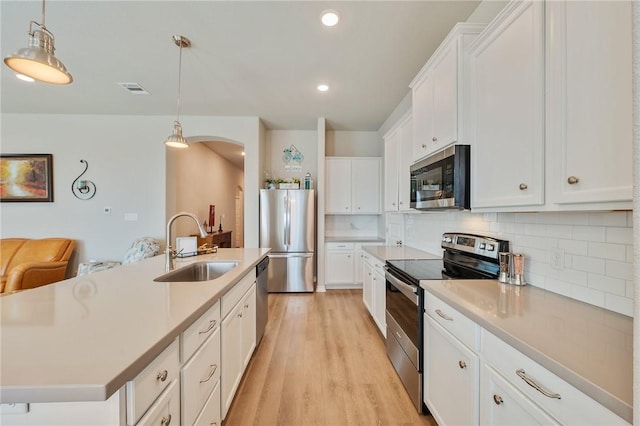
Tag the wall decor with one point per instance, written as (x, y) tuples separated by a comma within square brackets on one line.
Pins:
[(292, 154), (83, 189), (26, 177)]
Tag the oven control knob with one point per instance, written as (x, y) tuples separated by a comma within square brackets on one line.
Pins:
[(481, 246), (490, 247)]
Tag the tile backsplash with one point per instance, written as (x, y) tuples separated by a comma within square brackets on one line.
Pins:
[(582, 255)]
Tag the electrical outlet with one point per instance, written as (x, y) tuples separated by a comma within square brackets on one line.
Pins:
[(557, 259)]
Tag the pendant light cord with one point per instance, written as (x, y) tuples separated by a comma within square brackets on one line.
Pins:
[(179, 81), (43, 23)]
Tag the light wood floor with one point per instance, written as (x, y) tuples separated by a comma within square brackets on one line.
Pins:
[(321, 362)]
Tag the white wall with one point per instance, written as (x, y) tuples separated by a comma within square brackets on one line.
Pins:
[(597, 248), (127, 162), (353, 144), (203, 178), (278, 140)]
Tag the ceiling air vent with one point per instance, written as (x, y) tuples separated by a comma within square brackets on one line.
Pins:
[(134, 88)]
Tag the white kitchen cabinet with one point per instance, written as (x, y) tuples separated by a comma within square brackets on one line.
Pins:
[(439, 94), (507, 109), (166, 410), (237, 337), (398, 156), (451, 377), (502, 404), (589, 89), (374, 290), (353, 185), (339, 265)]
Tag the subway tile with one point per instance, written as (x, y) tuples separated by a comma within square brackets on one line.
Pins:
[(630, 289), (562, 218), (588, 264), (608, 219), (526, 217), (534, 229), (607, 251), (574, 277), (506, 217), (490, 217), (574, 247), (587, 295), (606, 284), (515, 228), (558, 286), (559, 231), (535, 242), (630, 254), (536, 280), (619, 235), (589, 233), (621, 305), (534, 255), (622, 270)]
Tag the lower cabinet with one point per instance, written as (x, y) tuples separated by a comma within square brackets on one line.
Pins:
[(374, 290), (166, 410), (339, 265)]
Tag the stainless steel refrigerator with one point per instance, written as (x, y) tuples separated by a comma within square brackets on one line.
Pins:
[(288, 227)]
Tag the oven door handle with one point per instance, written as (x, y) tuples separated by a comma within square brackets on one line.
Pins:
[(409, 291)]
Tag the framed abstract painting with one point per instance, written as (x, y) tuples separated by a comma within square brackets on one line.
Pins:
[(26, 177)]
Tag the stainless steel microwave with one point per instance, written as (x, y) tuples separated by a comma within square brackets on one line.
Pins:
[(442, 180)]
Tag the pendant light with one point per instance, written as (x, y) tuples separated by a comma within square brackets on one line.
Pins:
[(176, 140), (37, 61)]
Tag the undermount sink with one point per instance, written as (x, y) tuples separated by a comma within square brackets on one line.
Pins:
[(199, 271)]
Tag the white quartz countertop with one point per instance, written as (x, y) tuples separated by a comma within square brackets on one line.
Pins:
[(398, 253), (587, 346), (83, 338), (353, 239)]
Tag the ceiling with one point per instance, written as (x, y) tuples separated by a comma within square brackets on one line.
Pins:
[(248, 58)]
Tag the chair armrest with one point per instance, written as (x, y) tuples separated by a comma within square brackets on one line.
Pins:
[(34, 274)]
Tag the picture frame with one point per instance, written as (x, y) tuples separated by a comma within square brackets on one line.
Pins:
[(26, 178)]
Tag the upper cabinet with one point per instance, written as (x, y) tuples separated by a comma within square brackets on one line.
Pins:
[(353, 185), (438, 93), (398, 156), (589, 104), (506, 123), (550, 111)]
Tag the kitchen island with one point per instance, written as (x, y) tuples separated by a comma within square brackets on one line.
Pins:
[(84, 338)]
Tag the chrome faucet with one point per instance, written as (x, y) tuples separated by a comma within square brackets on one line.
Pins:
[(170, 254)]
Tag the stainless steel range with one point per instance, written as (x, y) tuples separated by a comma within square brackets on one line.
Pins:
[(465, 256)]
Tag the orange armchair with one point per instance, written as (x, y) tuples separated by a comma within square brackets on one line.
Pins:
[(26, 263)]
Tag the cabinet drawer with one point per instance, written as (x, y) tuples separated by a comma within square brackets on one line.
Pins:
[(338, 246), (233, 296), (199, 331), (210, 415), (166, 410), (145, 388), (199, 377), (453, 321), (563, 401)]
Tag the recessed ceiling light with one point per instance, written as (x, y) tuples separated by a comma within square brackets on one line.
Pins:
[(24, 77), (330, 18), (323, 87)]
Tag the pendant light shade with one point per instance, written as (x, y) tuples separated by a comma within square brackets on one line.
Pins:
[(176, 140), (37, 60)]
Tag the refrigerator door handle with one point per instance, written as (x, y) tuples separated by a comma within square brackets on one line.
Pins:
[(287, 220)]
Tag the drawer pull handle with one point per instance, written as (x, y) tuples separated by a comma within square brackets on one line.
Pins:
[(434, 139), (212, 371), (497, 399), (212, 324), (162, 376), (572, 180), (462, 364), (443, 315), (166, 421), (536, 386)]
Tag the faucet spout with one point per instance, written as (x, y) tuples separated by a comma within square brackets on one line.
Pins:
[(170, 254)]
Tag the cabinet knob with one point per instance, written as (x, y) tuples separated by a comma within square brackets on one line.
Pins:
[(497, 399), (162, 376), (572, 180), (401, 203), (346, 208), (434, 139), (424, 145), (462, 364), (393, 204), (246, 305), (166, 421), (523, 186)]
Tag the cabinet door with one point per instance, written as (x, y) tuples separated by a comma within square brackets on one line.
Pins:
[(248, 326), (366, 188), (338, 181), (502, 404), (367, 286), (450, 377), (339, 267), (378, 287), (589, 106), (507, 109), (358, 262), (422, 103), (231, 352), (445, 98), (406, 158), (392, 146)]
